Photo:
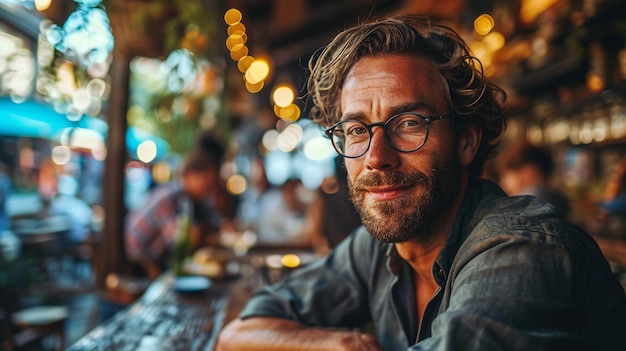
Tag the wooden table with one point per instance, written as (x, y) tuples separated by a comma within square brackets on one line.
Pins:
[(163, 319)]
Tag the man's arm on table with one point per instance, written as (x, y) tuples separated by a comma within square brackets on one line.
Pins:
[(275, 334)]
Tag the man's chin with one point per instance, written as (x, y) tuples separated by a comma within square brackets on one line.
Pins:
[(383, 227)]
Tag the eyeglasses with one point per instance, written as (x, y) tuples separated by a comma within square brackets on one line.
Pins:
[(404, 132)]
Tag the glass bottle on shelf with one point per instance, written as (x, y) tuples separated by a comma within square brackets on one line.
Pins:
[(182, 248)]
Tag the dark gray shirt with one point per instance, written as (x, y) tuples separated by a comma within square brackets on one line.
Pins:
[(512, 276)]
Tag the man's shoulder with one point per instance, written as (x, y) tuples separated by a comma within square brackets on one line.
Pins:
[(525, 216), (528, 223)]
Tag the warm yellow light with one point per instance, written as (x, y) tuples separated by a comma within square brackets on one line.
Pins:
[(234, 39), (289, 113), (147, 151), (232, 16), (161, 172), (483, 24), (112, 280), (494, 41), (283, 95), (290, 260), (236, 184), (66, 79), (254, 87), (530, 9), (238, 52), (42, 5), (258, 71), (478, 49), (244, 63), (595, 83), (295, 115), (237, 27)]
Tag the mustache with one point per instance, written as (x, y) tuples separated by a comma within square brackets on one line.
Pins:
[(389, 178)]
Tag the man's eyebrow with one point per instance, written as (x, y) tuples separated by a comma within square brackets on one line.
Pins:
[(415, 106), (352, 115)]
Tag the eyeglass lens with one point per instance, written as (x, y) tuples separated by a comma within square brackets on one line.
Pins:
[(404, 132)]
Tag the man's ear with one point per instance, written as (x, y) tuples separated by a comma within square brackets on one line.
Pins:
[(469, 142)]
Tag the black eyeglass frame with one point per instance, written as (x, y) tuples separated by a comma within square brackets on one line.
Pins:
[(427, 121)]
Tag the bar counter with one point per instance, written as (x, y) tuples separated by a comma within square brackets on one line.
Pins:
[(166, 319)]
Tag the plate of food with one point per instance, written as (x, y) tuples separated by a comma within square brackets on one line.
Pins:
[(212, 263)]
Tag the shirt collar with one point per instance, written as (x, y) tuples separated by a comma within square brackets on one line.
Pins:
[(478, 190)]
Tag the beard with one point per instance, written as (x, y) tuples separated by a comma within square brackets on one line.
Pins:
[(412, 215)]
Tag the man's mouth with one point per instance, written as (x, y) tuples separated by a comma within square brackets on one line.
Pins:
[(385, 192)]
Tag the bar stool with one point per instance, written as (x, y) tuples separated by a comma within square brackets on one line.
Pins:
[(23, 327)]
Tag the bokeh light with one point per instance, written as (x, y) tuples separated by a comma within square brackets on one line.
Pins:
[(147, 151), (232, 16), (483, 24), (283, 95), (61, 155), (236, 184), (258, 71)]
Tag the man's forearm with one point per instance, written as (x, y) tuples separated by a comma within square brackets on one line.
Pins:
[(275, 334)]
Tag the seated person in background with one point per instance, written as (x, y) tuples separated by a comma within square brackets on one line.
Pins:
[(281, 215), (150, 230), (445, 260), (331, 217), (614, 197), (67, 203), (527, 170)]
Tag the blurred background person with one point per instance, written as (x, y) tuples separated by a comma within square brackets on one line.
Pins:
[(331, 217), (249, 204), (151, 229), (72, 211), (610, 217), (527, 170), (9, 242), (66, 202), (281, 215), (614, 197)]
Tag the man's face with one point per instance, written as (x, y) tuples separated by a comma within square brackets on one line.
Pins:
[(399, 195)]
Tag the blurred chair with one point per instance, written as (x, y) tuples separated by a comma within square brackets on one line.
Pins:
[(27, 327)]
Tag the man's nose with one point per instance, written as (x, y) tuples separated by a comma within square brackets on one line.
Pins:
[(380, 154)]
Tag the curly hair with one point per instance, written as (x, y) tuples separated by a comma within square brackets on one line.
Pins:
[(473, 99)]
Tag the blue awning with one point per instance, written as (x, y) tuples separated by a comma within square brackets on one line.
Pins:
[(33, 119)]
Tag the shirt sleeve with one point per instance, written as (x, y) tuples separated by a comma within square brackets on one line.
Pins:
[(150, 228), (329, 292)]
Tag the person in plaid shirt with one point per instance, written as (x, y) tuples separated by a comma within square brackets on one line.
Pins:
[(151, 228)]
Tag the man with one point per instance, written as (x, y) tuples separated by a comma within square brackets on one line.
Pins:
[(445, 261), (150, 229)]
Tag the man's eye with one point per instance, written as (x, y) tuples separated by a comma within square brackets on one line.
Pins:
[(409, 123), (357, 131)]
